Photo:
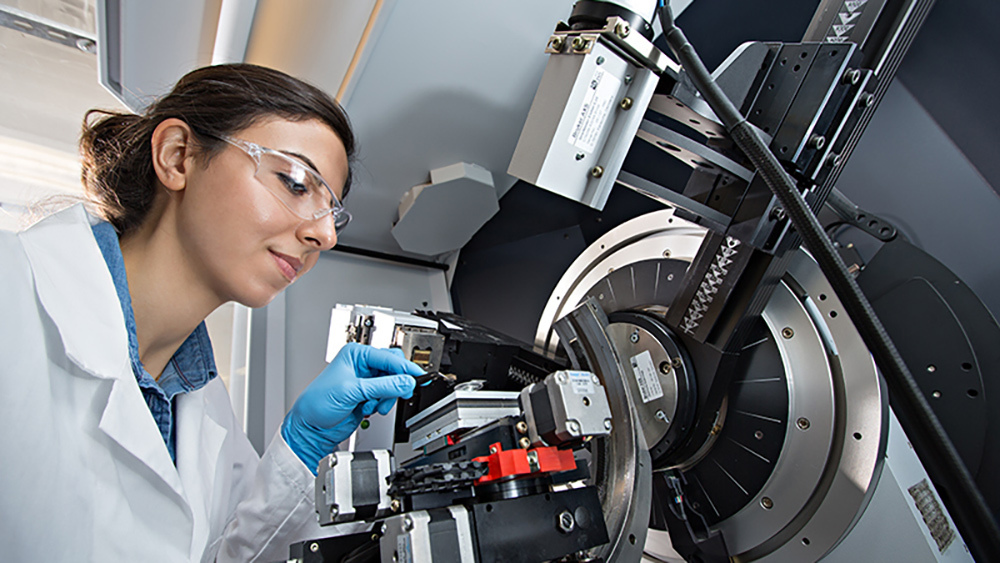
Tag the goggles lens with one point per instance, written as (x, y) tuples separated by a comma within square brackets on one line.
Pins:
[(301, 189)]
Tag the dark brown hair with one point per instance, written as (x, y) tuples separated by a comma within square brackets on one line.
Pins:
[(214, 101)]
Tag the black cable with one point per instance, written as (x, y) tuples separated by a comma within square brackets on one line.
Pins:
[(938, 455)]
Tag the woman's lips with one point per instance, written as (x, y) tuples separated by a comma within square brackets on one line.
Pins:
[(288, 265)]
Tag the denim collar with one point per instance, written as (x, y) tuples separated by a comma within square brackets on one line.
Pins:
[(191, 367)]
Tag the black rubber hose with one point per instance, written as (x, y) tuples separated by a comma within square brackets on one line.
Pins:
[(955, 484)]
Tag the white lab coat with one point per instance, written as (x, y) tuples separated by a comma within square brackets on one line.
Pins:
[(84, 472)]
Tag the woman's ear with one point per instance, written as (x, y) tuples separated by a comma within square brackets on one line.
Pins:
[(173, 153)]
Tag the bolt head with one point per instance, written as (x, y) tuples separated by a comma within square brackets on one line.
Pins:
[(557, 43), (314, 547), (634, 337), (597, 171), (522, 427), (833, 159), (787, 332), (579, 43), (566, 521), (666, 367), (867, 100), (525, 443), (623, 29), (626, 103), (393, 506), (594, 379), (767, 503), (802, 423), (573, 427), (607, 424), (407, 524)]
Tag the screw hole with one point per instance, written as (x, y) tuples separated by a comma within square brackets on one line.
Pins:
[(803, 54), (631, 539), (695, 121), (833, 314), (966, 366), (586, 401), (784, 150), (784, 62), (857, 435), (972, 393), (805, 541), (822, 297), (489, 508), (796, 68), (770, 86)]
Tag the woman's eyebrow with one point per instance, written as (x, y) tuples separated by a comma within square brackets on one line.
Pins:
[(303, 158)]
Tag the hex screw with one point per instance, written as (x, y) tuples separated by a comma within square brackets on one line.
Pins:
[(579, 43), (787, 332), (802, 423), (623, 29), (573, 427), (600, 60), (634, 337), (867, 100), (777, 214), (561, 378), (628, 79), (833, 159), (493, 449), (314, 547), (407, 524), (557, 43), (817, 142), (597, 171), (394, 505), (522, 427), (666, 368), (525, 443), (677, 362), (607, 424), (851, 76), (626, 103), (595, 380), (566, 521), (767, 503)]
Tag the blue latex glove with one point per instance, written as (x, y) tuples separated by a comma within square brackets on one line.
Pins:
[(358, 382)]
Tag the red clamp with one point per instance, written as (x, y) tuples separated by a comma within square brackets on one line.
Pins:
[(505, 463)]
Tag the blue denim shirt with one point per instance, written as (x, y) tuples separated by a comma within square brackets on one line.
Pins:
[(191, 367)]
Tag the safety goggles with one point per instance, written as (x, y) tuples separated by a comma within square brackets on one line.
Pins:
[(301, 189)]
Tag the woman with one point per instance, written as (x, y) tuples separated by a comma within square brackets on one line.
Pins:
[(119, 442)]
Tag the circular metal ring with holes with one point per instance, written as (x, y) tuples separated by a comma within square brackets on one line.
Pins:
[(823, 476)]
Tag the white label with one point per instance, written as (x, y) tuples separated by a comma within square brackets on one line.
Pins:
[(646, 377), (597, 105), (403, 554), (581, 382)]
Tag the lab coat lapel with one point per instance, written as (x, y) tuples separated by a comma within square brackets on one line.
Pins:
[(88, 316), (200, 439)]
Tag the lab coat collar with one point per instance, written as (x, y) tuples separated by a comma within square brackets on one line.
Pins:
[(89, 319)]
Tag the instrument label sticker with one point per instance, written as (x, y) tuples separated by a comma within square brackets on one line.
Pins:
[(646, 377), (581, 382), (403, 551), (598, 102)]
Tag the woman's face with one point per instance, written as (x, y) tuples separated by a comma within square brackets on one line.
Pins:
[(243, 243)]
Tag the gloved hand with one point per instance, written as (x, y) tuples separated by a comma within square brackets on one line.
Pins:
[(358, 382)]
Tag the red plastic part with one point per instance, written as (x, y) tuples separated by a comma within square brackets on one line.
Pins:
[(507, 463)]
